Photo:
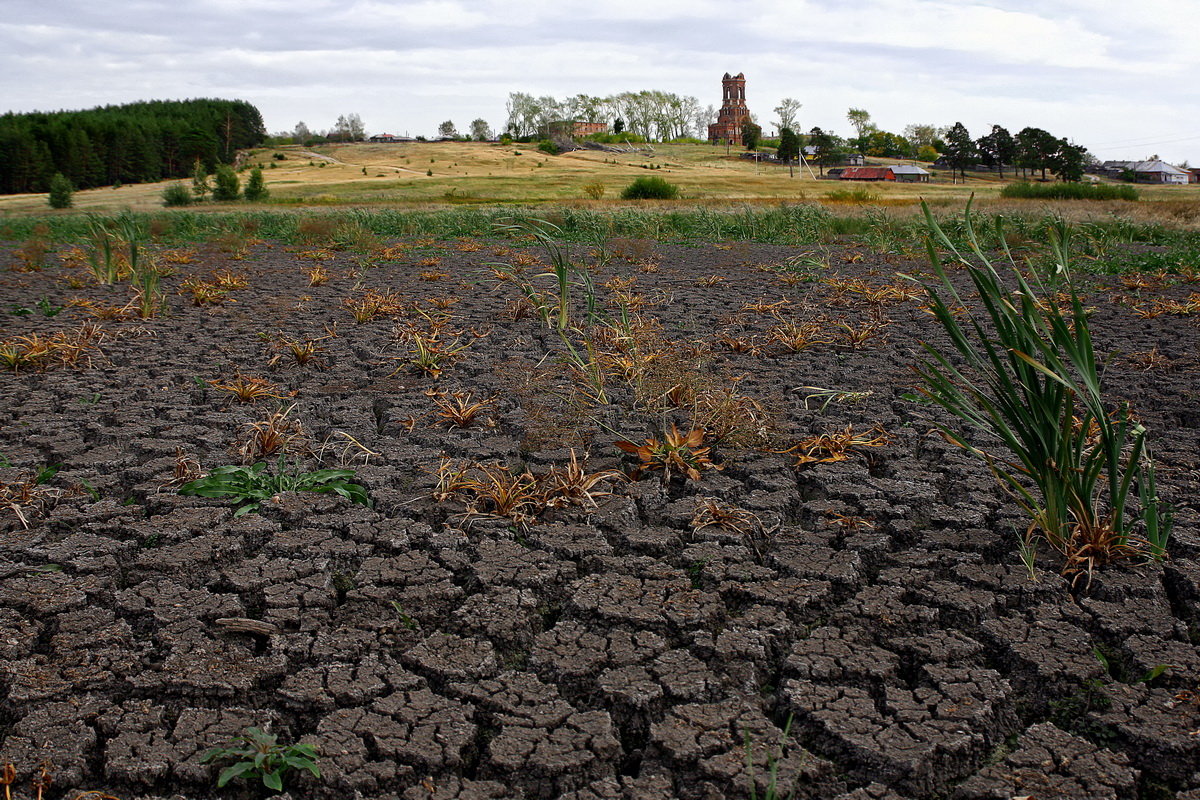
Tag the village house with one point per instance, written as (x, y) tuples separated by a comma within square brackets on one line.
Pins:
[(1151, 171), (910, 173), (1159, 172)]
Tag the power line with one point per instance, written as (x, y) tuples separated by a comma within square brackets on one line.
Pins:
[(1144, 142)]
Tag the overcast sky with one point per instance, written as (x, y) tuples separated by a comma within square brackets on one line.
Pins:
[(1120, 78)]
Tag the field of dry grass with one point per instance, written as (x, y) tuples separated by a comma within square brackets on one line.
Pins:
[(424, 173)]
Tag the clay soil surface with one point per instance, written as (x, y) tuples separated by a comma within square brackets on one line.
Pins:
[(640, 644)]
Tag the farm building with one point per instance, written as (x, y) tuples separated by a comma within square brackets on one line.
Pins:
[(1194, 175), (910, 173), (389, 138), (867, 174), (1159, 172)]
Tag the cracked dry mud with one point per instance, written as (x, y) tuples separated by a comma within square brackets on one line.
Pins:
[(618, 651)]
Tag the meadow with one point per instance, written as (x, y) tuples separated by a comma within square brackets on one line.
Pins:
[(421, 174)]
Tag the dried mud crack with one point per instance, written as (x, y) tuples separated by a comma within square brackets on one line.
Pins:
[(633, 639)]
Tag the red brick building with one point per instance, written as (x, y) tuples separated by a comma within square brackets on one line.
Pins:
[(571, 128), (728, 127)]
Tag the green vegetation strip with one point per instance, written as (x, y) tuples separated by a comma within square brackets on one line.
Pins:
[(794, 224)]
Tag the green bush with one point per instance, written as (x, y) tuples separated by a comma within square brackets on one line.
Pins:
[(176, 194), (650, 188), (256, 188), (547, 146), (1024, 190), (227, 186), (60, 191)]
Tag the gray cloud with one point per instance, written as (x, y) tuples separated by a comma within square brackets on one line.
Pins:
[(1104, 77)]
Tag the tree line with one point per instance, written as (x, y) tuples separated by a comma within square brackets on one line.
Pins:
[(653, 114), (131, 143), (1030, 149)]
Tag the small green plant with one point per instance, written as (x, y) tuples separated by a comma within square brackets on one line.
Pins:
[(650, 188), (405, 619), (47, 308), (772, 791), (250, 486), (258, 753)]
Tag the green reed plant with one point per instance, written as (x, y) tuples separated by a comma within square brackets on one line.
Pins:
[(565, 273), (100, 250), (144, 273), (1023, 372)]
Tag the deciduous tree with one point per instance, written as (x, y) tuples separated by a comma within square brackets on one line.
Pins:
[(826, 151), (789, 148), (860, 120), (1068, 161), (1035, 148), (751, 133), (960, 151), (480, 131), (920, 134), (788, 111), (997, 148)]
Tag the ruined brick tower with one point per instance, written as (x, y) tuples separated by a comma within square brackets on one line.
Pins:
[(728, 127)]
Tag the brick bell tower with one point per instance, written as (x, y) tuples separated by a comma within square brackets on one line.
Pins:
[(728, 127)]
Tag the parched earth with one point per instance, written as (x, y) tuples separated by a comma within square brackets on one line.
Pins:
[(649, 643)]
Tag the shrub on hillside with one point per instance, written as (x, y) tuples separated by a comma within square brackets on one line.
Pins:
[(547, 146), (60, 191), (256, 187), (1024, 190), (650, 188), (227, 185), (176, 194)]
